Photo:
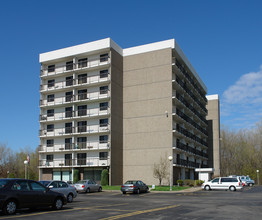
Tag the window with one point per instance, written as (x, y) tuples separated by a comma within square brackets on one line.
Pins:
[(103, 73), (69, 96), (50, 158), (68, 127), (103, 90), (50, 143), (37, 187), (54, 184), (68, 143), (50, 112), (68, 159), (81, 126), (51, 83), (21, 185), (216, 180), (81, 159), (82, 110), (69, 112), (69, 65), (81, 142), (51, 98), (51, 68), (103, 155), (82, 63), (50, 128), (82, 94), (104, 57), (82, 78), (103, 139), (103, 122), (103, 106), (69, 81)]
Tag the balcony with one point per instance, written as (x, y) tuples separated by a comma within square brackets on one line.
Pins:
[(92, 96), (86, 162), (59, 85), (84, 65), (83, 146), (91, 129)]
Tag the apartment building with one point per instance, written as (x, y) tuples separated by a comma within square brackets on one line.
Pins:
[(104, 107)]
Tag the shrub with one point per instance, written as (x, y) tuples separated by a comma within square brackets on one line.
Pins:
[(199, 182), (189, 182), (104, 177), (76, 176), (180, 182)]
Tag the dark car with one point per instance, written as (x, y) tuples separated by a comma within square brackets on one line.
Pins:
[(134, 186), (23, 193), (61, 187)]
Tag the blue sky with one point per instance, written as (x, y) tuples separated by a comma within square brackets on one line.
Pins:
[(222, 39)]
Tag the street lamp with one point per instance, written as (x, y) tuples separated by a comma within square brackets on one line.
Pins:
[(170, 158), (257, 177), (25, 163)]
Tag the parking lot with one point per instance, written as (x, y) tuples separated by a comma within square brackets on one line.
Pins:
[(156, 205)]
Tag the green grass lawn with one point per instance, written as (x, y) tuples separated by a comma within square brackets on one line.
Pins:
[(157, 188)]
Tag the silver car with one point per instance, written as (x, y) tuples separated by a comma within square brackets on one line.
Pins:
[(87, 186), (61, 187)]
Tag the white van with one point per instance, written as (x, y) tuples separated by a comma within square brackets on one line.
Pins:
[(225, 183)]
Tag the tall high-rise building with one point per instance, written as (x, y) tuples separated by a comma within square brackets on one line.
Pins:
[(104, 107)]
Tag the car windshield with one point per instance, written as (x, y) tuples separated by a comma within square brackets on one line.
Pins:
[(81, 182), (130, 182), (45, 183), (3, 183)]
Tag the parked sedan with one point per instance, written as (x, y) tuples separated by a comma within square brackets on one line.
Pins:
[(134, 186), (23, 193), (61, 187), (87, 186)]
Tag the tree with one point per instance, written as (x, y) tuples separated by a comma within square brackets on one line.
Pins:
[(104, 177), (160, 170)]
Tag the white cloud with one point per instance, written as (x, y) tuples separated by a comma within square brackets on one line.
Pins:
[(241, 103)]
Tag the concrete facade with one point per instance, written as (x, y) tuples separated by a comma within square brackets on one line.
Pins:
[(150, 105)]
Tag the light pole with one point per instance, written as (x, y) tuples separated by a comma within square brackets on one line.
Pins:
[(257, 177), (170, 158), (25, 163)]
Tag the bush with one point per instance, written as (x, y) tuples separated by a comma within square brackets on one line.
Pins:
[(180, 182), (76, 176), (190, 182), (104, 177), (199, 182)]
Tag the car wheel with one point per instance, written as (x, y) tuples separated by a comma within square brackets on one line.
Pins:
[(10, 207), (70, 198), (250, 184), (138, 191), (207, 187), (88, 190), (58, 204), (232, 188), (100, 189)]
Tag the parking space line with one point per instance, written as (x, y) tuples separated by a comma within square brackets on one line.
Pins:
[(139, 212)]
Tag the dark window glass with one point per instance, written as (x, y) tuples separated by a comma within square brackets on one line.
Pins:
[(69, 112), (103, 73), (82, 78), (103, 122), (50, 143), (50, 112), (81, 159), (225, 180), (68, 160), (82, 63), (81, 142), (68, 143), (21, 185), (49, 158), (104, 57), (82, 94), (103, 139), (81, 126), (103, 89), (103, 155), (51, 68), (103, 106), (50, 98), (69, 65), (50, 128), (69, 81), (68, 127), (37, 187), (51, 83), (215, 180), (69, 96), (82, 110)]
